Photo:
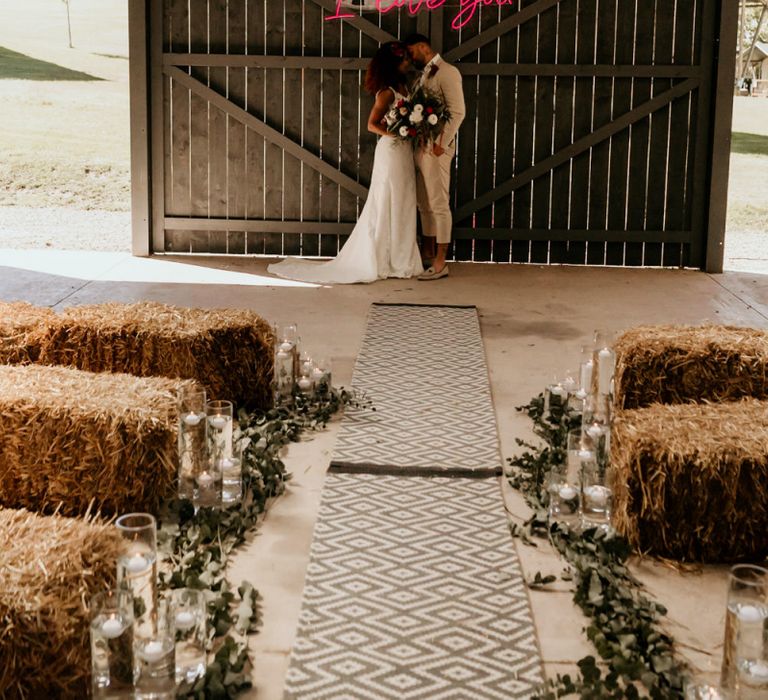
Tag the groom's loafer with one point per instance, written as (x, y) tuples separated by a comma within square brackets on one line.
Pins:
[(432, 274)]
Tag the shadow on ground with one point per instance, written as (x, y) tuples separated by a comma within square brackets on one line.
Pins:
[(17, 66)]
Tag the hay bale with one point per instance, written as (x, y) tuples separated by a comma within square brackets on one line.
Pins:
[(22, 327), (49, 569), (69, 437), (229, 351), (680, 364), (691, 480)]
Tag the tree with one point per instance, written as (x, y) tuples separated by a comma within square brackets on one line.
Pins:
[(69, 24)]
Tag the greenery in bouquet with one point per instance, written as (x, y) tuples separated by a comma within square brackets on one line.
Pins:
[(418, 119)]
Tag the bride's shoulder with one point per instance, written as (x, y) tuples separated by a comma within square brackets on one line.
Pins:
[(386, 92)]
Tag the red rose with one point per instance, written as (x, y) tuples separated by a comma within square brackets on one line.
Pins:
[(400, 103), (430, 110), (411, 132)]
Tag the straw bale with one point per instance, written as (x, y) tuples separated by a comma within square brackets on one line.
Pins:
[(229, 351), (22, 327), (49, 568), (68, 437), (691, 480), (681, 364)]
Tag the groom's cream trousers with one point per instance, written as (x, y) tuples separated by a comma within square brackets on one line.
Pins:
[(433, 185)]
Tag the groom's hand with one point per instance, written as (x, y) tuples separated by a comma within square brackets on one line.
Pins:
[(437, 149)]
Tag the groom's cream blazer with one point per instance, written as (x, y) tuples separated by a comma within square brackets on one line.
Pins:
[(433, 174)]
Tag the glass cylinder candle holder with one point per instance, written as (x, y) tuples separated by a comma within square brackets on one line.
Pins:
[(745, 650), (232, 475), (111, 632), (555, 396), (208, 483), (321, 375), (596, 494), (286, 362), (563, 496), (192, 438), (191, 624), (154, 650), (137, 564)]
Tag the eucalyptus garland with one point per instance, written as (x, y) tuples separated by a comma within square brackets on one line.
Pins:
[(196, 546), (638, 657)]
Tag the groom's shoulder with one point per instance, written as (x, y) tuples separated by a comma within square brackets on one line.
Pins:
[(449, 69)]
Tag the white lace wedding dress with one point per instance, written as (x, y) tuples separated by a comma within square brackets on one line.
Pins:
[(383, 242)]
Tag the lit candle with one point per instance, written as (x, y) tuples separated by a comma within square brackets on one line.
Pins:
[(227, 463), (306, 366), (586, 375), (185, 620), (218, 422), (749, 613), (285, 347), (192, 419), (137, 563), (567, 492), (112, 628), (204, 479), (153, 651), (597, 494), (585, 455), (317, 374), (305, 383), (594, 431), (557, 390), (605, 368)]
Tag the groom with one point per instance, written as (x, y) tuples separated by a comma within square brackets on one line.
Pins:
[(433, 163)]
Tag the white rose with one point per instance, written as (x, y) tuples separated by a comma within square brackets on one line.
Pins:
[(403, 131), (432, 119), (416, 118), (418, 108)]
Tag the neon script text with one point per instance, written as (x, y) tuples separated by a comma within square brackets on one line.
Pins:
[(466, 11)]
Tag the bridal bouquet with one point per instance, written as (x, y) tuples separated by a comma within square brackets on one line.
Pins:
[(419, 119)]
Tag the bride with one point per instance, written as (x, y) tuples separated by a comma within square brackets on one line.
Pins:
[(383, 242)]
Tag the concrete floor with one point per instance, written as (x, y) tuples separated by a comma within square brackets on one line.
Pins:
[(534, 320)]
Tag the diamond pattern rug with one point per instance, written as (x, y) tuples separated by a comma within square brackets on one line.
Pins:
[(424, 369), (413, 591)]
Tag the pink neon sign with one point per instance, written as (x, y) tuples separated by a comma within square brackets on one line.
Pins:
[(466, 10)]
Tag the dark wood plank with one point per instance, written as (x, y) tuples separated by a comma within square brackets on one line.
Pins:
[(486, 124), (505, 139), (160, 129), (236, 143), (622, 103), (583, 106), (274, 185), (639, 134), (660, 136), (524, 131), (311, 93), (218, 154), (466, 159), (349, 117), (721, 135), (545, 95), (601, 115), (178, 191), (255, 166), (292, 122), (329, 118), (563, 126)]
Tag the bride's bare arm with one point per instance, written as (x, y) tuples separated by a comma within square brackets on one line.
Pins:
[(379, 109)]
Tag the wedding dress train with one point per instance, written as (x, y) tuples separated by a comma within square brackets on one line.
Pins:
[(383, 242)]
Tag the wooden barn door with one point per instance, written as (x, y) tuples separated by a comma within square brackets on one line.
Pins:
[(587, 138)]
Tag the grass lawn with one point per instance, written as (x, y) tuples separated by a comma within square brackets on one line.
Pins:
[(17, 66)]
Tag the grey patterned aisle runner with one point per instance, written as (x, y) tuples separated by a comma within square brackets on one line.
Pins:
[(413, 592), (424, 369)]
